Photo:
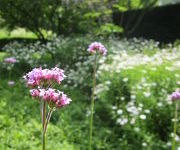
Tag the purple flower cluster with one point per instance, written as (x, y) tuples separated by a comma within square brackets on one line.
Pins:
[(175, 96), (10, 60), (97, 47), (53, 97), (43, 79), (39, 76)]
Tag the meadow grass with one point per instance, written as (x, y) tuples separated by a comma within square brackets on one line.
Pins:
[(17, 33)]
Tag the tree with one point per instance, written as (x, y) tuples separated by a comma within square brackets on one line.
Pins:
[(58, 16), (33, 15)]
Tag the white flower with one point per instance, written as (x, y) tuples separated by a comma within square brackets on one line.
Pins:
[(147, 111), (136, 129), (176, 137), (139, 87), (108, 82), (119, 111), (133, 96), (147, 94), (154, 84), (139, 109), (143, 117), (133, 110), (144, 144), (132, 121), (122, 121), (125, 79), (122, 98), (140, 105), (159, 104), (114, 107), (168, 143)]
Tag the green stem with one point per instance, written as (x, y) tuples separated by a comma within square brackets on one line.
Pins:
[(47, 120), (92, 104), (175, 120), (44, 141), (43, 123), (10, 74)]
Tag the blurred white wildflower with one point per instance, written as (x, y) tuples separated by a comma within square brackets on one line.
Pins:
[(122, 98), (119, 111), (133, 97), (125, 79), (132, 121), (143, 117), (136, 129), (159, 104), (147, 94), (147, 111), (114, 107), (144, 144), (122, 121)]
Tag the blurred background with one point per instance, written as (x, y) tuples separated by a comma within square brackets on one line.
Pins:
[(132, 111)]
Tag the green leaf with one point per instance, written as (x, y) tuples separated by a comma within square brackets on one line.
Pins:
[(111, 28), (120, 8), (92, 15)]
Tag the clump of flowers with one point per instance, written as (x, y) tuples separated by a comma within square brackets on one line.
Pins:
[(93, 49), (53, 97), (41, 77), (97, 47), (175, 96), (10, 60), (40, 81)]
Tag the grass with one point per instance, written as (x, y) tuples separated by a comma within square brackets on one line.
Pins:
[(18, 33)]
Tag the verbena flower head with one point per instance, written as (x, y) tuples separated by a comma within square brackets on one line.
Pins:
[(39, 76), (10, 60), (42, 80), (54, 98), (97, 47), (175, 96)]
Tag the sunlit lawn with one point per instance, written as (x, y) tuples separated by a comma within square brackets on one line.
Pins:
[(18, 33)]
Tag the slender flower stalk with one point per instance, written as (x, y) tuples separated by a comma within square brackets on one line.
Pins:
[(43, 123), (47, 120), (92, 103), (175, 125), (40, 81), (93, 49), (175, 96)]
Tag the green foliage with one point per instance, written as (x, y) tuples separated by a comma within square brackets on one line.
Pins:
[(109, 29), (47, 18), (127, 95), (132, 109), (123, 6), (20, 126)]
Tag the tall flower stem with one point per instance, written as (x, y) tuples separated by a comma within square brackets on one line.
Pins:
[(45, 128), (47, 120), (10, 74), (175, 120), (92, 103), (43, 103)]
